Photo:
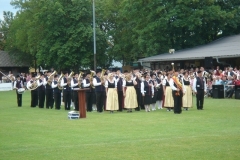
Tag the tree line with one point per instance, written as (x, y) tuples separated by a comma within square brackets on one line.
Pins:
[(58, 33)]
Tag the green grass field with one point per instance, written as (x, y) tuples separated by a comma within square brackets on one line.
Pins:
[(33, 133)]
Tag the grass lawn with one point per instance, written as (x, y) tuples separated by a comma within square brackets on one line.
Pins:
[(33, 133)]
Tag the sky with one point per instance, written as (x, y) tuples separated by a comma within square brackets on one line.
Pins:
[(6, 6)]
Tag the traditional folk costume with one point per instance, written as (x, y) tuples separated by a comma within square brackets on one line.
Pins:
[(112, 96), (100, 94), (67, 93), (168, 101), (34, 93), (17, 85), (175, 84), (139, 94), (159, 96), (120, 93), (89, 94), (41, 93), (187, 97), (74, 85), (49, 94), (148, 92), (57, 94), (130, 100), (154, 97)]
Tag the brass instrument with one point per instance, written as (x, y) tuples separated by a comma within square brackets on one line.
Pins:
[(102, 74), (80, 78), (50, 79), (92, 73), (34, 84), (70, 78), (59, 81)]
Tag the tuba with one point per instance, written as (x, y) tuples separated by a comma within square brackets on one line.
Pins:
[(59, 81), (34, 84)]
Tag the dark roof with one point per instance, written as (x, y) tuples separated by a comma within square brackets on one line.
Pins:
[(7, 61), (226, 47)]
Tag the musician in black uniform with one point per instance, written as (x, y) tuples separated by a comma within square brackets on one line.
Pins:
[(57, 93), (119, 80), (159, 91), (89, 93), (147, 91), (34, 93), (41, 91), (66, 84), (49, 91), (177, 92), (200, 88), (100, 91), (17, 85), (75, 84), (137, 87)]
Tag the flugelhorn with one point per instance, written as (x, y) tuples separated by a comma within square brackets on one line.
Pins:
[(59, 81), (80, 78)]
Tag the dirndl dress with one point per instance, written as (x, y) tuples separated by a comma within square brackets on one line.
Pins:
[(168, 102), (130, 100), (112, 97), (187, 98)]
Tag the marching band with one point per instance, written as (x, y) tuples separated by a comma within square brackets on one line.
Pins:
[(115, 91)]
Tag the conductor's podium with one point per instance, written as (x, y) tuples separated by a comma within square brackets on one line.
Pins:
[(81, 101)]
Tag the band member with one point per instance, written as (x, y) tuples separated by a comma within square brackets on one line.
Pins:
[(88, 83), (138, 79), (34, 93), (159, 91), (41, 91), (199, 87), (177, 92), (187, 97), (147, 92), (119, 78), (17, 85), (75, 84), (66, 84), (49, 91), (168, 98), (111, 93), (154, 96), (57, 93), (130, 95), (98, 83)]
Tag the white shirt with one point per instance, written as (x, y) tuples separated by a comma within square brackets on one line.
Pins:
[(40, 83), (85, 83), (142, 88), (54, 85), (195, 85), (29, 84), (124, 82), (95, 83), (73, 84), (171, 83), (62, 83)]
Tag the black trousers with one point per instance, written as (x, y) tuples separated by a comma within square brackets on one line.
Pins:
[(100, 100), (49, 98), (34, 98), (75, 100), (67, 99), (41, 96), (177, 102), (120, 100), (89, 101), (19, 99), (57, 99), (200, 98), (139, 99)]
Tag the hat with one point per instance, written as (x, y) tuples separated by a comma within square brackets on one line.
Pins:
[(97, 71), (125, 71), (88, 72), (33, 75), (17, 76), (199, 72)]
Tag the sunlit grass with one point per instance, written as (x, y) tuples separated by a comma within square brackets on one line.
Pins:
[(33, 133)]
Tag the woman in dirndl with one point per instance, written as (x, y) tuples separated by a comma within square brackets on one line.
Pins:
[(168, 102), (187, 97), (111, 93), (130, 95)]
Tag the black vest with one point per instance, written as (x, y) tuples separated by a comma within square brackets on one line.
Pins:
[(111, 85), (18, 84), (47, 85), (56, 89), (147, 88), (119, 84), (42, 87), (199, 84), (75, 81), (66, 88), (99, 88)]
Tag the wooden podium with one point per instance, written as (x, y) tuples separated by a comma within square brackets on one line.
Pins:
[(82, 102)]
